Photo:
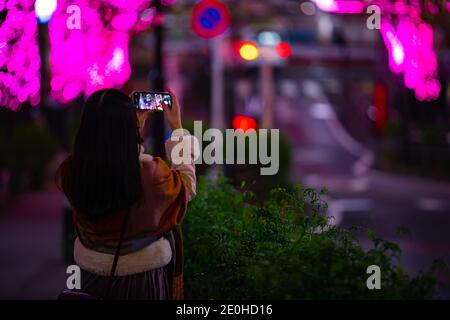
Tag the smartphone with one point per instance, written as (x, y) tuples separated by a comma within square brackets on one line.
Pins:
[(152, 101)]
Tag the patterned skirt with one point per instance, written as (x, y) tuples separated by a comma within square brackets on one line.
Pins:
[(154, 284)]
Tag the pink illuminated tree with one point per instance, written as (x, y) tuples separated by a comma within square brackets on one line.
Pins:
[(19, 54), (94, 56), (408, 39)]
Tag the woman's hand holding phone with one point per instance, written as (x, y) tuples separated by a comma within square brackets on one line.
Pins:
[(173, 114), (142, 116)]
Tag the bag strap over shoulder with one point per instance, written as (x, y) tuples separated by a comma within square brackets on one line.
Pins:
[(116, 255)]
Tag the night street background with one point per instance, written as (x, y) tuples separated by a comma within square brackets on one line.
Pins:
[(333, 88)]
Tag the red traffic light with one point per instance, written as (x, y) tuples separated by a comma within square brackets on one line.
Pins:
[(283, 49), (380, 102), (243, 122)]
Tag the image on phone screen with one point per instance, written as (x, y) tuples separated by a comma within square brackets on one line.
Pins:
[(152, 100)]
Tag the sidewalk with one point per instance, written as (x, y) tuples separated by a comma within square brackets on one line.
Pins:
[(31, 264)]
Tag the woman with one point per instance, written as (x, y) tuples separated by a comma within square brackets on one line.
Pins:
[(115, 188)]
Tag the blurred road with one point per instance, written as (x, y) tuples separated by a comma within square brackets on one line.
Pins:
[(327, 156)]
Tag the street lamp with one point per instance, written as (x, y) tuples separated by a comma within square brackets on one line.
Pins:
[(45, 9)]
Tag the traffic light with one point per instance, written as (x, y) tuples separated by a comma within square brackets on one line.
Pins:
[(243, 122), (380, 103), (248, 51), (283, 50)]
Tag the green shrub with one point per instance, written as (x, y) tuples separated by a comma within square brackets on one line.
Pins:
[(262, 184), (283, 249), (258, 184)]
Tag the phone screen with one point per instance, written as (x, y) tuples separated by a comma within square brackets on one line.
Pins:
[(152, 100)]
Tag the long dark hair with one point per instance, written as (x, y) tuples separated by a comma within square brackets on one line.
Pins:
[(102, 175)]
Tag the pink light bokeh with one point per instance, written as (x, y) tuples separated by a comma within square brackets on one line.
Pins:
[(340, 6), (409, 42), (96, 55), (411, 52), (396, 51), (19, 55)]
